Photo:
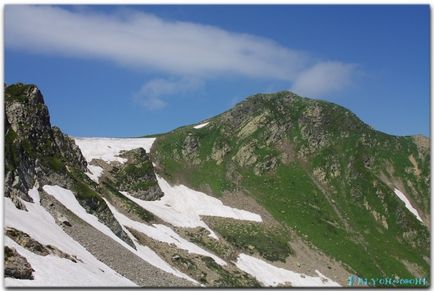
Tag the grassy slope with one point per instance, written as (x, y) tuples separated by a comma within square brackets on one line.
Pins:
[(293, 195)]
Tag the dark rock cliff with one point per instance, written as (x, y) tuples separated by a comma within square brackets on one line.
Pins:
[(34, 150), (38, 154)]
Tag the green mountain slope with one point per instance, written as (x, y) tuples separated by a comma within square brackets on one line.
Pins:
[(319, 170)]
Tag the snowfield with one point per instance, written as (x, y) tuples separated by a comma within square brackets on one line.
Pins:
[(51, 270), (408, 204), (108, 149), (180, 205), (183, 207), (163, 233), (67, 198), (270, 275), (201, 125)]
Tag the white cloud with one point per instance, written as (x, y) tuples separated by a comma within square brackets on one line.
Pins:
[(183, 50), (151, 92), (323, 78), (143, 40)]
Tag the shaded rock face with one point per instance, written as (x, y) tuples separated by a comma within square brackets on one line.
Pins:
[(191, 147), (34, 151), (69, 150), (136, 176), (29, 118), (19, 167), (97, 207), (16, 266), (38, 154)]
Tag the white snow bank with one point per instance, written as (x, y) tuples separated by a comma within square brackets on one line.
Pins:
[(201, 125), (108, 149), (94, 172), (67, 198), (270, 275), (408, 204), (52, 271), (162, 233), (183, 207)]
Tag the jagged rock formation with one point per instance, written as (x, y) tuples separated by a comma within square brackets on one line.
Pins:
[(37, 153), (24, 240), (136, 175), (16, 266)]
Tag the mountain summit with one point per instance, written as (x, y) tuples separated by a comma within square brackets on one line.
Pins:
[(280, 190), (318, 169)]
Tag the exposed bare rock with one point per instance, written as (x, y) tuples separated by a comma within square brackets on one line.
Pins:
[(136, 176), (24, 240), (17, 266)]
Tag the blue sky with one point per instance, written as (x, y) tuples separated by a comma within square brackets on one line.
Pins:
[(136, 70)]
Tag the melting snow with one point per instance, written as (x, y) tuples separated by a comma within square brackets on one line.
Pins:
[(182, 206), (108, 149), (408, 204), (95, 172), (270, 275), (51, 270), (67, 198), (164, 234), (201, 125)]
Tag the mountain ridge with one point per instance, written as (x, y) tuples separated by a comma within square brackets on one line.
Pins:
[(323, 182), (299, 140)]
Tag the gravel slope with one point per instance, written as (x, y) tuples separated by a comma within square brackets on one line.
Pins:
[(112, 253)]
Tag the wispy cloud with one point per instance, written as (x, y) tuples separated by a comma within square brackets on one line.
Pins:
[(138, 39), (181, 50), (324, 78), (151, 93)]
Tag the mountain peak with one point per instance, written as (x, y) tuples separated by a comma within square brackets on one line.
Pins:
[(34, 147), (24, 93)]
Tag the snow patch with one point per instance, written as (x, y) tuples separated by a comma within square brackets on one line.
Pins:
[(270, 275), (67, 198), (163, 233), (52, 271), (201, 125), (183, 207), (94, 172), (408, 204), (108, 149)]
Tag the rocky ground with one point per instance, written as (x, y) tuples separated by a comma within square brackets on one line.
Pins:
[(110, 252)]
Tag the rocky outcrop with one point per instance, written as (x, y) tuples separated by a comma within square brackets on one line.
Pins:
[(19, 167), (29, 118), (96, 206), (69, 150), (190, 149), (246, 155), (136, 176), (16, 266), (219, 151), (38, 154), (34, 150), (24, 240)]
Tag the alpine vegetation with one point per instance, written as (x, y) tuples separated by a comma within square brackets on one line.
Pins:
[(278, 191)]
